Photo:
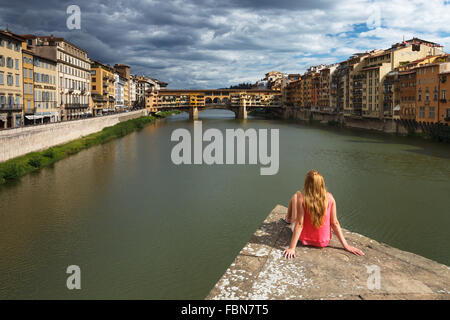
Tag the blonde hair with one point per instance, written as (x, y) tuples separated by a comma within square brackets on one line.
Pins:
[(315, 199)]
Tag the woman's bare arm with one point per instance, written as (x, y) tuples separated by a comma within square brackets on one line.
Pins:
[(296, 207), (338, 231)]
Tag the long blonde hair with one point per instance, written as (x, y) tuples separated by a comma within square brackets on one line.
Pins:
[(315, 199)]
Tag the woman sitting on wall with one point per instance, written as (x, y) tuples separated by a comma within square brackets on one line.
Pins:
[(312, 215)]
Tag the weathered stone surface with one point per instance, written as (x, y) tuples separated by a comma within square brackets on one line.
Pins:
[(261, 272)]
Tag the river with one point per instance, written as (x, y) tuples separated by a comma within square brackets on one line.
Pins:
[(140, 227)]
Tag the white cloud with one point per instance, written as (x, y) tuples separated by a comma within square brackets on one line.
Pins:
[(214, 43)]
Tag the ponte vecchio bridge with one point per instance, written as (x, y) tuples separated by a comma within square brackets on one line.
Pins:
[(194, 101)]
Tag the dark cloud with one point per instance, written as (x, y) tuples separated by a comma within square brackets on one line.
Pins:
[(197, 43)]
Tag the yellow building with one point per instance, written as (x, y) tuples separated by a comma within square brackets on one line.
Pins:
[(372, 87), (28, 82), (102, 88), (11, 75), (46, 108)]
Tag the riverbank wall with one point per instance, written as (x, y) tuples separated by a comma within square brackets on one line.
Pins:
[(381, 125), (20, 141), (385, 273)]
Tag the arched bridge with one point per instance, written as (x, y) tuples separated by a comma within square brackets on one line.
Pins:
[(194, 101)]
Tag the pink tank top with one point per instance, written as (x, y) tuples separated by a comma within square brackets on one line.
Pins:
[(318, 237)]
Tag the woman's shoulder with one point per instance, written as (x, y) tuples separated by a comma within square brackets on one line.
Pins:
[(299, 195), (330, 195)]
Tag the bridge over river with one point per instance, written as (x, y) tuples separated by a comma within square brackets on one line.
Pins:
[(240, 101)]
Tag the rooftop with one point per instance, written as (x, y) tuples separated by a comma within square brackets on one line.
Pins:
[(11, 35)]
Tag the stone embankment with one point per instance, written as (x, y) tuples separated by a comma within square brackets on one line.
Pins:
[(382, 125), (20, 141), (261, 272)]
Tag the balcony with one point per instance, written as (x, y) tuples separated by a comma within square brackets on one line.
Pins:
[(76, 106), (11, 107)]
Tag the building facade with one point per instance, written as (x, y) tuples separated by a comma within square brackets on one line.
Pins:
[(73, 74), (46, 107), (119, 84), (28, 83), (103, 89), (405, 87), (124, 71)]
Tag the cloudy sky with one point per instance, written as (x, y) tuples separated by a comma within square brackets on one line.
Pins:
[(213, 43)]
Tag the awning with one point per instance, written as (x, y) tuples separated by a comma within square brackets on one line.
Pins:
[(33, 117), (397, 108)]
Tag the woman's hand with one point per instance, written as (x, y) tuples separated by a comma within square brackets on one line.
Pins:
[(354, 250), (289, 253)]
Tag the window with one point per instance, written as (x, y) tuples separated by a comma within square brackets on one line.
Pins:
[(422, 112), (444, 94), (2, 61), (9, 79), (9, 63), (17, 64), (2, 80), (431, 113), (17, 80)]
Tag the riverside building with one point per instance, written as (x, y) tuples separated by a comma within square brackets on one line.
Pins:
[(73, 74), (124, 71), (28, 83), (11, 80), (45, 92), (370, 95), (103, 88), (119, 83)]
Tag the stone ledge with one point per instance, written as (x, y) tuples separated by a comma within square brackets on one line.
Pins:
[(261, 272)]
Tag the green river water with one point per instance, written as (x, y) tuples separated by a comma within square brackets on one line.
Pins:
[(141, 227)]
